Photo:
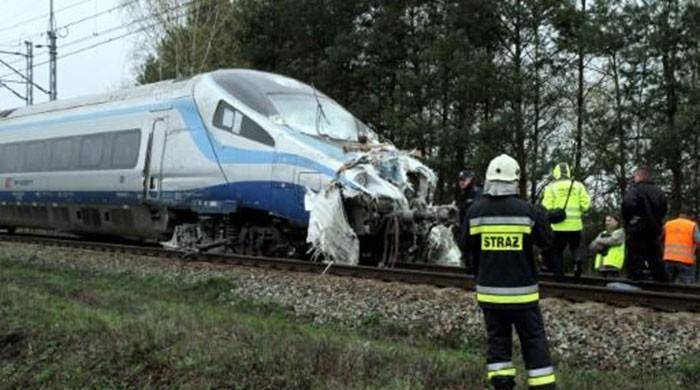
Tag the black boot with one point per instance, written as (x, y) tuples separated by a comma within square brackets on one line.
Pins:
[(503, 383)]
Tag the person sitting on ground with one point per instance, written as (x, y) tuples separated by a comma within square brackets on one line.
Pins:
[(609, 248)]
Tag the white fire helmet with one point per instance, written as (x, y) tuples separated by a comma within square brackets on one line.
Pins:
[(503, 168)]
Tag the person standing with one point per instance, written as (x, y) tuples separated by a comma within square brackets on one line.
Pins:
[(643, 210), (609, 248), (469, 192), (569, 199), (681, 237), (502, 230)]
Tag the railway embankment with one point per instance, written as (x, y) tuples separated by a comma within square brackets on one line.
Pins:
[(70, 315)]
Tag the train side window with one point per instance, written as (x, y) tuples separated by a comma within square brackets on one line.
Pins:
[(12, 156), (253, 131), (227, 118), (91, 151), (125, 149), (36, 157), (107, 141), (61, 154), (9, 155), (4, 160)]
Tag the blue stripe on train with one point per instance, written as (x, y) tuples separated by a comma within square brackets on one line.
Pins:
[(287, 202), (232, 155), (261, 195)]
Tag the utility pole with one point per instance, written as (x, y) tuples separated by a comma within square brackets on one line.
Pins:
[(27, 78), (30, 72), (52, 54)]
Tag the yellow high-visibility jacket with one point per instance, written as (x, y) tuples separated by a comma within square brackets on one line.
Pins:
[(579, 203)]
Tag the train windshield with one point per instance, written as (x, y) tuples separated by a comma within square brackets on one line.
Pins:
[(317, 115)]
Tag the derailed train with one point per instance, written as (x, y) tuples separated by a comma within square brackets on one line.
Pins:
[(238, 160)]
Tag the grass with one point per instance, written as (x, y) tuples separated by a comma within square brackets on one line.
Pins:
[(63, 328)]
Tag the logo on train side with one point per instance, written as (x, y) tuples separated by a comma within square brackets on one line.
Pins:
[(8, 182)]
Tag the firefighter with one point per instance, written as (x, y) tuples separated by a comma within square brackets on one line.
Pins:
[(501, 231), (569, 199), (681, 237)]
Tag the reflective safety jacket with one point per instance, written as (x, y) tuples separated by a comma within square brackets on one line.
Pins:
[(579, 202), (610, 248), (679, 241), (501, 232)]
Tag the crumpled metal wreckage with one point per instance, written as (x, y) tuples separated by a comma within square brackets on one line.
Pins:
[(381, 197)]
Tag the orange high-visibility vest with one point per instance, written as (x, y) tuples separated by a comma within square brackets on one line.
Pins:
[(679, 241)]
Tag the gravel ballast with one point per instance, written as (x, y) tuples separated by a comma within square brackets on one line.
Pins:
[(582, 334)]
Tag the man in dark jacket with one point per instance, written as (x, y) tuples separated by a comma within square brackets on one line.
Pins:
[(469, 193), (643, 210), (502, 230)]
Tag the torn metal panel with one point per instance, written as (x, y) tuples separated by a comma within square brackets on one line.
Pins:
[(330, 235), (442, 248), (398, 169), (384, 198), (185, 236)]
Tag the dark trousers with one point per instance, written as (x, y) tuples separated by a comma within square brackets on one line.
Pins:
[(533, 340), (680, 273), (556, 254), (644, 250)]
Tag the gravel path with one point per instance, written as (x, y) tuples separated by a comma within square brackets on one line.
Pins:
[(583, 334)]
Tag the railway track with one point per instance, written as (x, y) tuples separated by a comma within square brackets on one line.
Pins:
[(429, 275), (570, 279)]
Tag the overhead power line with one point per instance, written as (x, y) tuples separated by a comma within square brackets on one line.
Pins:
[(133, 22), (115, 28), (17, 72), (14, 92), (76, 4), (177, 12), (97, 44), (97, 15), (69, 24)]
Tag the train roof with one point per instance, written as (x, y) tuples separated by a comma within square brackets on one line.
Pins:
[(251, 87), (162, 89)]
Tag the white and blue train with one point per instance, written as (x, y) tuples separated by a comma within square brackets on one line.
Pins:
[(225, 158)]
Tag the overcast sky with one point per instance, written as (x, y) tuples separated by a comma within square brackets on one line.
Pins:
[(104, 68)]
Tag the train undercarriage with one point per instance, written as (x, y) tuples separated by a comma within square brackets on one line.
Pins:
[(377, 212)]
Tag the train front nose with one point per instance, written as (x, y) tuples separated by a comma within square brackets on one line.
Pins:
[(379, 211)]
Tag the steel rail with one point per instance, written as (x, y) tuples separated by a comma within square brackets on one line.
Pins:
[(570, 279), (574, 292)]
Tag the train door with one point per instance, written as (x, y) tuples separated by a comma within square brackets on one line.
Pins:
[(155, 154)]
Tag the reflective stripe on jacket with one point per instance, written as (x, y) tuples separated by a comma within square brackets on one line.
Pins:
[(501, 232), (579, 203), (679, 241)]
